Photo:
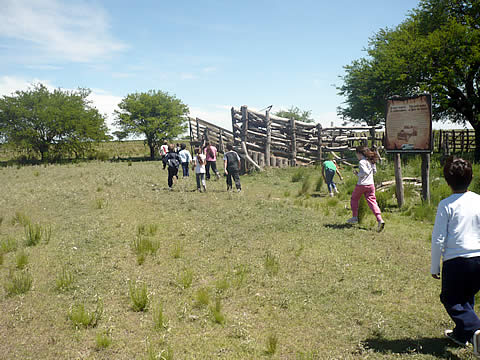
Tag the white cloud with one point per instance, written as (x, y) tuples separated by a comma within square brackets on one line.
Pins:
[(10, 84), (187, 76), (76, 31)]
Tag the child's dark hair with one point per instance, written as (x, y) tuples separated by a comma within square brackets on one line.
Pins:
[(183, 146), (198, 151), (457, 173), (229, 147), (371, 155)]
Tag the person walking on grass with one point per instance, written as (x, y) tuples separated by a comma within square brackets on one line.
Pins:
[(365, 185), (199, 162), (329, 169), (185, 159), (172, 160), (211, 155), (456, 238), (231, 162), (163, 152)]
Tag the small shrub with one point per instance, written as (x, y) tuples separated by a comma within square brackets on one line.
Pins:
[(103, 339), (202, 297), (306, 186), (271, 343), (147, 229), (21, 259), (159, 320), (332, 202), (143, 245), (240, 274), (33, 234), (177, 249), (18, 283), (186, 279), (138, 296), (20, 218), (100, 203), (8, 244), (222, 284), (298, 175), (272, 265), (218, 316), (64, 280), (80, 317), (362, 209), (319, 184)]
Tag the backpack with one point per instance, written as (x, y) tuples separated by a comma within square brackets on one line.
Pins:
[(173, 162)]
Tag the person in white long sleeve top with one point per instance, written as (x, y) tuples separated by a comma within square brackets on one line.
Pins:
[(365, 185), (456, 239)]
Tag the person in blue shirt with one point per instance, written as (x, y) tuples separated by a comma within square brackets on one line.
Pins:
[(185, 158)]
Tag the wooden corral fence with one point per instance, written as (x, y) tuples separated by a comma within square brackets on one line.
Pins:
[(202, 131), (453, 141), (269, 140)]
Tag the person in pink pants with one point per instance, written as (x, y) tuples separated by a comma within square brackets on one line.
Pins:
[(365, 185)]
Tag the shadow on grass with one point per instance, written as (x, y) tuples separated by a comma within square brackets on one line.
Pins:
[(338, 226), (437, 347)]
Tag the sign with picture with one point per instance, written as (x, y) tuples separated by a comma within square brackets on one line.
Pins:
[(408, 124)]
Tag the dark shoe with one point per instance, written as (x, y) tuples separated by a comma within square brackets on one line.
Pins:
[(449, 334)]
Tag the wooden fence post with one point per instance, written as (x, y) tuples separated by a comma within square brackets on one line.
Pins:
[(372, 135), (426, 177), (222, 145), (319, 143), (198, 130), (269, 138), (235, 141), (398, 180), (243, 135), (454, 142), (293, 161)]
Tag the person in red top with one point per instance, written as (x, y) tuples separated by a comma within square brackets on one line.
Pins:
[(211, 155)]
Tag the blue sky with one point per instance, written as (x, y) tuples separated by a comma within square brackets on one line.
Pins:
[(210, 54)]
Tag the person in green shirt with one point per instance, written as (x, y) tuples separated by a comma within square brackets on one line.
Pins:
[(329, 169)]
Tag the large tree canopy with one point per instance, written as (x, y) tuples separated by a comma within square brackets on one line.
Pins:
[(435, 50), (296, 114), (50, 122), (155, 114)]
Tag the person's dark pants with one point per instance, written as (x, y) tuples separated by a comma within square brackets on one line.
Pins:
[(185, 169), (460, 283), (172, 171), (213, 165), (236, 177), (329, 174)]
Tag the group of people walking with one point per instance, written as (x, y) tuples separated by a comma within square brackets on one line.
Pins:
[(455, 236), (204, 163)]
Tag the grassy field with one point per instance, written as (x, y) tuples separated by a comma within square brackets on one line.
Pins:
[(109, 264)]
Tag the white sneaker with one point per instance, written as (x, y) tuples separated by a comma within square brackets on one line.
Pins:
[(476, 343), (331, 194), (336, 191), (352, 220), (381, 226)]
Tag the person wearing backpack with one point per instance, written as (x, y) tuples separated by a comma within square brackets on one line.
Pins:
[(172, 160), (231, 162)]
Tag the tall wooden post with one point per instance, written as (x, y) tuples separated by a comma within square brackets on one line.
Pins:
[(293, 160), (244, 133), (398, 180), (372, 135), (198, 130), (235, 141), (268, 144), (319, 143), (426, 177), (222, 145)]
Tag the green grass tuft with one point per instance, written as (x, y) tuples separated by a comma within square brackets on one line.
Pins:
[(21, 259), (64, 280), (80, 317), (271, 344), (103, 339), (18, 283), (138, 296)]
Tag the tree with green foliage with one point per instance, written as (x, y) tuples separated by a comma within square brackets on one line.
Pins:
[(296, 114), (51, 123), (155, 114), (436, 49)]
